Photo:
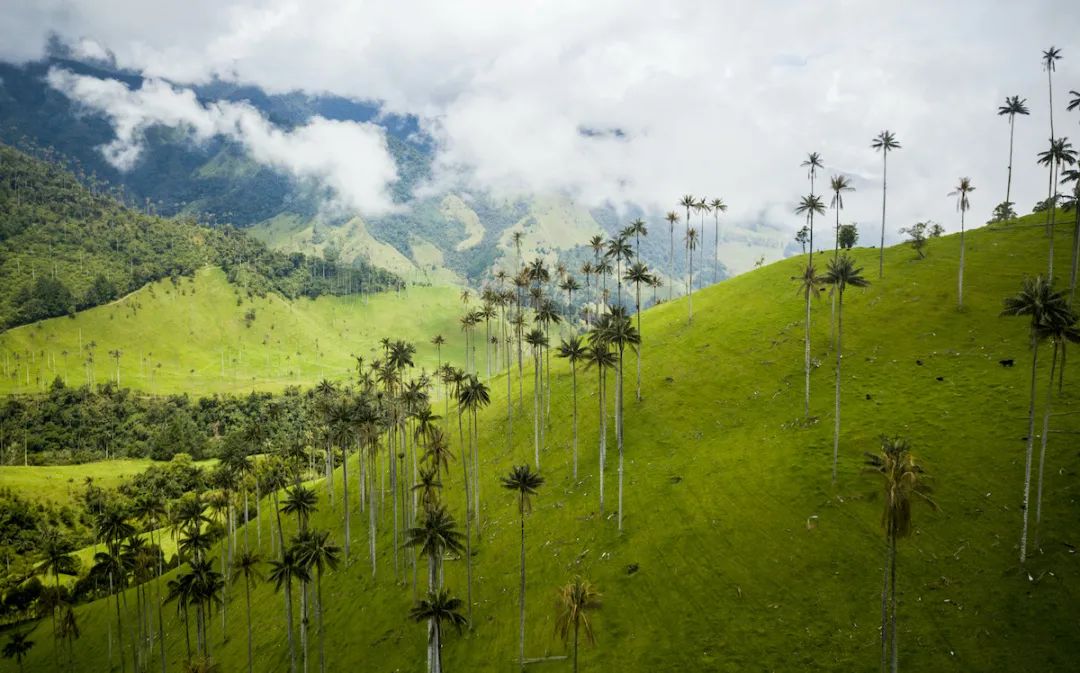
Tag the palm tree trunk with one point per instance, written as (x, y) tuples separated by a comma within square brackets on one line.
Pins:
[(438, 647), (319, 623), (638, 290), (806, 353), (475, 427), (690, 285), (345, 495), (885, 605), (1075, 254), (839, 357), (1053, 222), (1042, 447), (619, 428), (536, 405), (573, 380), (521, 643), (304, 625), (576, 626), (247, 600), (884, 189), (468, 525), (1030, 446), (371, 514), (1008, 182), (960, 278), (289, 624), (603, 435), (671, 261), (892, 599)]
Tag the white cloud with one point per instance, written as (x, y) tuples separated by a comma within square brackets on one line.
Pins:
[(714, 98), (350, 158)]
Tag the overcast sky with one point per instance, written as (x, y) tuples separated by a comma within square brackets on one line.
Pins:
[(712, 98)]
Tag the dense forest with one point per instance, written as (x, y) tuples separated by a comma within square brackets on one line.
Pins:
[(69, 242)]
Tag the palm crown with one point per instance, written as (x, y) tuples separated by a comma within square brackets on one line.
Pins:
[(885, 142), (839, 184), (961, 193), (1014, 105), (526, 482), (1050, 57)]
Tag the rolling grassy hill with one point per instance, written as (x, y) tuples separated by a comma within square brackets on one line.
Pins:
[(738, 552), (193, 337)]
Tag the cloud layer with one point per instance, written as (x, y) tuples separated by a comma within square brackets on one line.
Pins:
[(350, 158), (626, 101)]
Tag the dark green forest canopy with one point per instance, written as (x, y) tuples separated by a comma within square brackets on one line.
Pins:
[(65, 247)]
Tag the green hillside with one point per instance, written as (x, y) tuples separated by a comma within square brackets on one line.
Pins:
[(193, 336), (738, 553)]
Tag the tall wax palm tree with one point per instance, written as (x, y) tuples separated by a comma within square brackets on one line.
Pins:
[(601, 356), (637, 229), (436, 536), (57, 560), (638, 274), (473, 396), (1044, 306), (525, 483), (1050, 57), (841, 273), (617, 330), (885, 142), (838, 184), (282, 573), (17, 647), (688, 201), (437, 608), (809, 206), (691, 245), (576, 600), (963, 188), (702, 208), (811, 164), (1014, 105), (904, 482), (1060, 154), (1061, 329), (619, 250), (246, 568), (318, 551), (672, 217), (573, 351), (717, 206), (538, 341), (1074, 103)]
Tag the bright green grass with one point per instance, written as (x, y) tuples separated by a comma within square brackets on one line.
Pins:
[(192, 338), (61, 484), (720, 488)]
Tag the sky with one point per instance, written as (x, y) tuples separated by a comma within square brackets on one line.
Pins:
[(610, 102)]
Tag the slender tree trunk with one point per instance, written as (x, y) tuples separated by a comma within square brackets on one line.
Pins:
[(884, 189), (1075, 254), (345, 495), (304, 626), (576, 626), (619, 428), (839, 357), (960, 278), (892, 603), (372, 514), (638, 290), (319, 622), (475, 427), (289, 623), (806, 354), (603, 434), (1030, 447), (247, 600), (573, 380), (690, 285), (1008, 182), (468, 526), (885, 604), (1042, 443), (521, 644), (536, 405), (671, 261), (1053, 222)]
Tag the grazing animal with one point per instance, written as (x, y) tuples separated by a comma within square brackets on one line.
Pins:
[(1006, 363)]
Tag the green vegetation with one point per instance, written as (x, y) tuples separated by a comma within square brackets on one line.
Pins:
[(733, 532), (205, 335), (64, 248)]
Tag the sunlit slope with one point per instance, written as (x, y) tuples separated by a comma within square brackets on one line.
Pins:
[(738, 554), (194, 337)]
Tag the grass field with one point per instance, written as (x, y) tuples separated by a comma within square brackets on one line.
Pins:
[(738, 552), (193, 338)]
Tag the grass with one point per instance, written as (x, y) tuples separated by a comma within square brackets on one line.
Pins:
[(738, 552), (192, 337)]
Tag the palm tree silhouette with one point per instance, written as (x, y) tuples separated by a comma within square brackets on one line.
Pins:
[(573, 351), (17, 647), (438, 608), (1045, 306), (963, 188), (717, 206), (691, 245), (1014, 105), (600, 355), (576, 600), (282, 574), (247, 568), (525, 483), (316, 550), (639, 275), (809, 206), (904, 481), (885, 142), (809, 286), (840, 274), (615, 329), (672, 217), (1060, 154), (1050, 57), (811, 164), (538, 341)]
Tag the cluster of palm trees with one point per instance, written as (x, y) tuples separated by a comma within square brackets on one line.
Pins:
[(692, 238)]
